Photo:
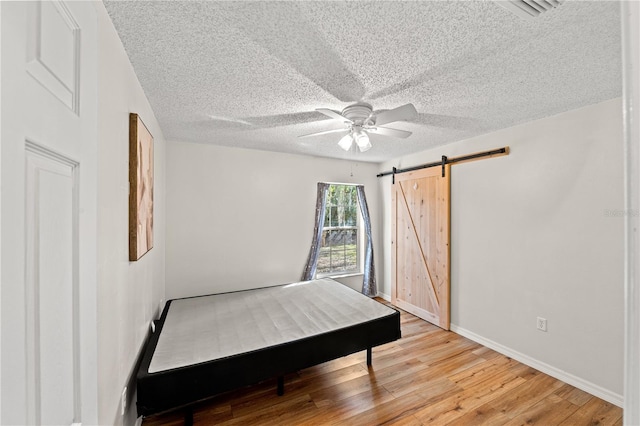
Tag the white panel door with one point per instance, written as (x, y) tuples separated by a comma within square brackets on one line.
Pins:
[(48, 220), (51, 289)]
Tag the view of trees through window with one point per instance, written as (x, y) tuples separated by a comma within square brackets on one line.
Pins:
[(339, 249)]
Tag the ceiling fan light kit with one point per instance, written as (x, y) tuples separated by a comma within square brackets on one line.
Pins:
[(346, 142), (359, 137), (362, 140), (361, 120)]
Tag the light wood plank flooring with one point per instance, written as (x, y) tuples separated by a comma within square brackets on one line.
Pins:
[(430, 376)]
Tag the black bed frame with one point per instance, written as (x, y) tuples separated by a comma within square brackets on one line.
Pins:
[(180, 387)]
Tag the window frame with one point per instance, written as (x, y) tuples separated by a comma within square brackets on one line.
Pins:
[(358, 227)]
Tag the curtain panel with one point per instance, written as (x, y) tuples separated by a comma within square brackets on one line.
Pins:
[(369, 287), (312, 261)]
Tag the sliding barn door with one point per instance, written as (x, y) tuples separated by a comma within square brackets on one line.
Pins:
[(420, 244)]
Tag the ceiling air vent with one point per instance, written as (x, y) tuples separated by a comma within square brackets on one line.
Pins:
[(529, 9)]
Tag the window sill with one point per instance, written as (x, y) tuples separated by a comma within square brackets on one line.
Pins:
[(353, 274)]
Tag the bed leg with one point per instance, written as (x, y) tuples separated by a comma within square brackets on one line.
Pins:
[(188, 416), (368, 357), (280, 385)]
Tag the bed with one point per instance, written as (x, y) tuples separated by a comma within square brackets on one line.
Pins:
[(207, 345)]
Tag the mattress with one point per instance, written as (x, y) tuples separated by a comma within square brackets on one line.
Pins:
[(211, 327), (206, 345)]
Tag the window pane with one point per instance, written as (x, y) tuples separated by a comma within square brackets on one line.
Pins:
[(334, 215), (339, 248), (339, 251), (351, 216), (324, 261)]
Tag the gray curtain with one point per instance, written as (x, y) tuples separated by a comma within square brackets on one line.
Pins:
[(312, 261), (369, 287)]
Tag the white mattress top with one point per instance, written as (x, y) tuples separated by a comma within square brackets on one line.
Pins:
[(201, 329)]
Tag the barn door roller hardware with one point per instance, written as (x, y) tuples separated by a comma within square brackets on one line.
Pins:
[(445, 160)]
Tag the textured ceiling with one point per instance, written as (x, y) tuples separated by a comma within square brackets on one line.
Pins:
[(251, 74)]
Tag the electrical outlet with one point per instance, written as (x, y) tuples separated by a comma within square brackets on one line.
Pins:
[(542, 324), (123, 403)]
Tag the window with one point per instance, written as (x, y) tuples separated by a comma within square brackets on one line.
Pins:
[(340, 246)]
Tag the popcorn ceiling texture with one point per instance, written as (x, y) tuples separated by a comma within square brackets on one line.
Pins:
[(251, 74)]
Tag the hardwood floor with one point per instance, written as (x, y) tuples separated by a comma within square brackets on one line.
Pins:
[(430, 376)]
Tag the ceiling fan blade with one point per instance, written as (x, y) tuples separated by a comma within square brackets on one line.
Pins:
[(296, 42), (223, 123), (260, 122), (449, 122), (387, 131), (326, 132), (281, 120), (402, 113), (230, 120), (331, 113)]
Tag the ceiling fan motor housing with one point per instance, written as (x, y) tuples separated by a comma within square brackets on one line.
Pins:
[(360, 113), (360, 120)]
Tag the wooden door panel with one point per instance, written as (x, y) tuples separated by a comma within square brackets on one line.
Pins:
[(417, 282), (420, 255)]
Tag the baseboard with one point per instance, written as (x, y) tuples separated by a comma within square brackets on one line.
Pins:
[(384, 296), (552, 371)]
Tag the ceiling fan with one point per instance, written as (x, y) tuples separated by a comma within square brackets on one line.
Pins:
[(360, 120)]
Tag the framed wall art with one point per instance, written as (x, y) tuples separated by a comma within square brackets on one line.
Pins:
[(140, 188)]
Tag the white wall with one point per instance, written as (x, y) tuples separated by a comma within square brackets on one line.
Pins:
[(0, 222), (531, 237), (630, 17), (239, 219), (129, 293)]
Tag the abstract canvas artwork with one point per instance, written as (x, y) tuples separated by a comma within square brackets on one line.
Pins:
[(140, 188)]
